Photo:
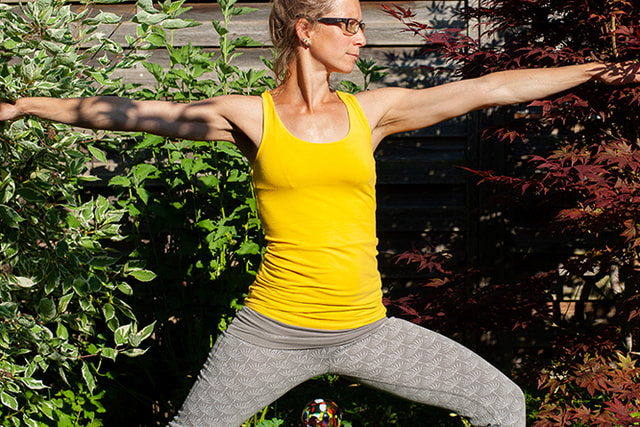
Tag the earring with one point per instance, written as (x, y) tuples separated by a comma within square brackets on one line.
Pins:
[(306, 42)]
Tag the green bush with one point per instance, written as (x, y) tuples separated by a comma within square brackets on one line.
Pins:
[(191, 204), (66, 277)]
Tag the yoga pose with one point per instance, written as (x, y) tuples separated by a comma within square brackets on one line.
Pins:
[(316, 304)]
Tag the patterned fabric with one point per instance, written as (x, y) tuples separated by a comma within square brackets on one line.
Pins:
[(400, 357)]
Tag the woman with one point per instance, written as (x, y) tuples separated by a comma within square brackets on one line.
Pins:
[(315, 306)]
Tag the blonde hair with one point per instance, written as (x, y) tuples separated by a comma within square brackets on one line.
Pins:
[(282, 27)]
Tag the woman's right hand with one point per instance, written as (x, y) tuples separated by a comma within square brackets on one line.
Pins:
[(8, 111)]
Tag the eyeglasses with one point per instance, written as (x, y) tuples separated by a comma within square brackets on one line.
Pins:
[(350, 26)]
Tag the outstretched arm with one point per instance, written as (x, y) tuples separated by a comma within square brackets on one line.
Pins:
[(226, 118), (393, 110)]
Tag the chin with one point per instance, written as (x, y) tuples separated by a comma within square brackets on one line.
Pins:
[(347, 69)]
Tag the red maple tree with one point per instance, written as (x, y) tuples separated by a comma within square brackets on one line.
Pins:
[(579, 187)]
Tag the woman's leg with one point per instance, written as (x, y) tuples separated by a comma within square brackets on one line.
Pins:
[(420, 365), (240, 378)]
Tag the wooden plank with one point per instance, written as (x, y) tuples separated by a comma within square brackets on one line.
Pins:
[(407, 67), (421, 219), (382, 29), (425, 161), (402, 172)]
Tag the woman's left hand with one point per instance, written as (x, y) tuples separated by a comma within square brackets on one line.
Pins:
[(619, 73)]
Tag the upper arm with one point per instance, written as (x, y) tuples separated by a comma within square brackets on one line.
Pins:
[(393, 110), (219, 118), (233, 118)]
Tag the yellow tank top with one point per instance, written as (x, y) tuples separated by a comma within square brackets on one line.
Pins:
[(317, 205)]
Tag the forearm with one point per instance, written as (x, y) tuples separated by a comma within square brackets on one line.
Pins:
[(108, 113), (517, 86)]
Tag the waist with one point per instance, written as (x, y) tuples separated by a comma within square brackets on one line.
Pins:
[(327, 288), (256, 328)]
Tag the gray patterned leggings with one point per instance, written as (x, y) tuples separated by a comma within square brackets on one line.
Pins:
[(400, 357)]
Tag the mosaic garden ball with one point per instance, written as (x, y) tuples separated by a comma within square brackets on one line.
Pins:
[(321, 412)]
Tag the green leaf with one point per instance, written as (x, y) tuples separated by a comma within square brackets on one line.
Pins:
[(246, 42), (220, 29), (176, 24), (151, 140), (102, 78), (101, 261), (24, 282), (248, 248), (88, 377), (134, 352), (103, 18), (53, 48), (109, 311), (210, 180), (270, 423), (97, 153), (33, 383), (64, 302), (141, 274), (113, 324), (147, 331), (120, 181), (143, 171), (143, 194), (135, 340), (62, 332), (10, 217), (9, 401), (237, 11), (156, 40), (206, 224), (109, 353), (28, 421), (89, 178), (146, 18), (47, 308), (47, 409), (147, 6), (121, 336), (9, 309), (125, 288), (350, 87)]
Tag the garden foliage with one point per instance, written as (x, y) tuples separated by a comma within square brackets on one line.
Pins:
[(573, 180), (71, 275), (192, 204), (64, 284)]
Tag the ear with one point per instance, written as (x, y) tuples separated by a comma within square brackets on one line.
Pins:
[(303, 30)]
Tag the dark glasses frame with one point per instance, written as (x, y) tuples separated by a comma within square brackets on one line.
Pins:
[(350, 26)]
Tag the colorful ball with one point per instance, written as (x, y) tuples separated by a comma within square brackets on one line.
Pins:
[(322, 413)]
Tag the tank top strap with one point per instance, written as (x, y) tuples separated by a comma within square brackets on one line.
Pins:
[(356, 114), (269, 117)]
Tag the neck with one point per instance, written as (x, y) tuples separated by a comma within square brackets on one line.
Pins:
[(304, 85)]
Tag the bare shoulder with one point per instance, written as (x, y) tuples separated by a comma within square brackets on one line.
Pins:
[(242, 113), (236, 105), (377, 102), (373, 97), (377, 105)]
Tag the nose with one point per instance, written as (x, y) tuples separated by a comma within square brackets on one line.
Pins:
[(359, 39)]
